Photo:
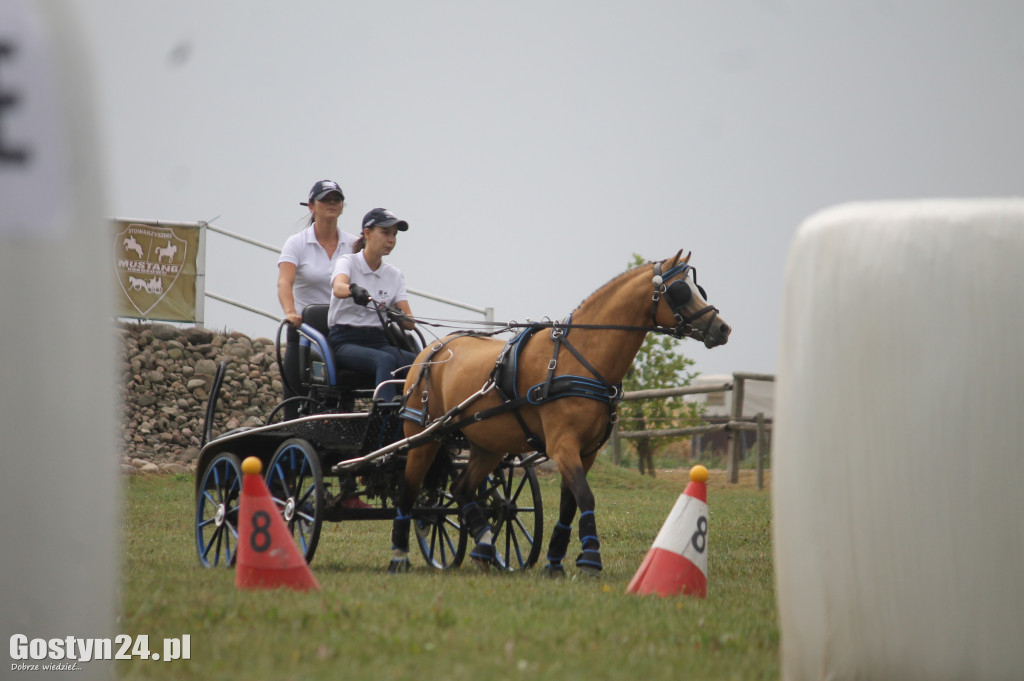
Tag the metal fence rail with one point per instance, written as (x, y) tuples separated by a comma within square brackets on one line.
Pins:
[(487, 312)]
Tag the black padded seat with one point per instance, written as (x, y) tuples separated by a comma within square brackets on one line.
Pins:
[(316, 316)]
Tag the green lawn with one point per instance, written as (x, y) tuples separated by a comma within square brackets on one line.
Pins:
[(425, 625)]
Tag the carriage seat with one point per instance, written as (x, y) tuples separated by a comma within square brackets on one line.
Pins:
[(347, 379)]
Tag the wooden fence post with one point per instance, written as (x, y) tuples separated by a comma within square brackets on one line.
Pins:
[(760, 449), (616, 444), (735, 435)]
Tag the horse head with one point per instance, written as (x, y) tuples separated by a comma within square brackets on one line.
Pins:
[(687, 311)]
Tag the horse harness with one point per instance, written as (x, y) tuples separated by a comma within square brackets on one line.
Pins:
[(503, 376), (677, 295), (503, 379)]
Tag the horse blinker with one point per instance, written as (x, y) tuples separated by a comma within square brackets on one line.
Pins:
[(679, 293)]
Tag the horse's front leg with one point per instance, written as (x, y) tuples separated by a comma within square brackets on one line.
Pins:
[(416, 465), (574, 479), (465, 491), (560, 536)]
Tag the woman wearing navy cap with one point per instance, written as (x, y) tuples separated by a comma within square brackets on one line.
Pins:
[(357, 336), (304, 271)]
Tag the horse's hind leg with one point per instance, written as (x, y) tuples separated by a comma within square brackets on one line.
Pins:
[(465, 490), (416, 465)]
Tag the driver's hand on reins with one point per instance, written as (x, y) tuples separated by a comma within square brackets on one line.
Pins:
[(360, 296)]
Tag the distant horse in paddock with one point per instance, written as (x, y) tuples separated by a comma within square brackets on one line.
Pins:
[(552, 389)]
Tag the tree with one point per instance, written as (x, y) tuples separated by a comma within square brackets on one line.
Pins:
[(657, 365)]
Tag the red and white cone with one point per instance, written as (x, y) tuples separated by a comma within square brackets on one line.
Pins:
[(678, 559), (267, 556)]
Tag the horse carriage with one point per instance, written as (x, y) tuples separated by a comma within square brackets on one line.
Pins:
[(454, 459), (342, 459)]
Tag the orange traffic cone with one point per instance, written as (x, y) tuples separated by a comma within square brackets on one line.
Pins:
[(678, 559), (267, 556)]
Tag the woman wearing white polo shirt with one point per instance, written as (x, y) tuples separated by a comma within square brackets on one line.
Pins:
[(357, 336), (304, 271)]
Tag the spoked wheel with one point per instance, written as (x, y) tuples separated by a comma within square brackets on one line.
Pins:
[(438, 531), (297, 485), (217, 511), (512, 500)]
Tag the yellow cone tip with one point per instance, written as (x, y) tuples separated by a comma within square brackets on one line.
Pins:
[(698, 474), (253, 466)]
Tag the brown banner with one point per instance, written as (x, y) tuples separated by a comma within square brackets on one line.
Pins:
[(155, 266)]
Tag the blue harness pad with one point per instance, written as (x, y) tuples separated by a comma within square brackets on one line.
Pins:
[(506, 372)]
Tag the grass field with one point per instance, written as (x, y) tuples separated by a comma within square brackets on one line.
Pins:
[(425, 625)]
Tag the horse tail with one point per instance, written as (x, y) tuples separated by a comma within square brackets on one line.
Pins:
[(442, 469)]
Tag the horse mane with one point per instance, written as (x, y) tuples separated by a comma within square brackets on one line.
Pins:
[(611, 281)]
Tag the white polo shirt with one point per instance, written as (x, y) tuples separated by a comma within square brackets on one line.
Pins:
[(312, 266), (386, 285)]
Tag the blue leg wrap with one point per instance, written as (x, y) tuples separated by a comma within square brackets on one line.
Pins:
[(400, 542), (590, 560), (483, 553), (400, 531), (558, 546), (474, 520)]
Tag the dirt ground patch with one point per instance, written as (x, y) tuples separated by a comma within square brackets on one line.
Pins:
[(716, 477)]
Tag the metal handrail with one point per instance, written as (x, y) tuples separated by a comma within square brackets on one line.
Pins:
[(487, 312)]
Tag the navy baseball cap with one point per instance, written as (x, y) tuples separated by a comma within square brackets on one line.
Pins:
[(322, 189), (382, 217)]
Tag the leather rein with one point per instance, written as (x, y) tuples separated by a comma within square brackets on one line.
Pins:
[(555, 387)]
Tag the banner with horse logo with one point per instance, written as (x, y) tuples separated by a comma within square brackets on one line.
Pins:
[(155, 265)]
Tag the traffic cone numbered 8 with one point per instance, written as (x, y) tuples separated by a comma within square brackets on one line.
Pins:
[(267, 556), (678, 559)]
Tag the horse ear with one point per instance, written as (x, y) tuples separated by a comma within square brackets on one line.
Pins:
[(675, 259), (687, 258)]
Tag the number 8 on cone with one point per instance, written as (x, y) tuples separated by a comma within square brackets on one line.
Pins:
[(678, 559), (267, 556)]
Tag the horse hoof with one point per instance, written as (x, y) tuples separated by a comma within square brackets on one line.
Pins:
[(398, 566), (589, 563), (483, 556), (554, 571)]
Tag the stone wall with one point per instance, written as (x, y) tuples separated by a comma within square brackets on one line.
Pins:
[(165, 378)]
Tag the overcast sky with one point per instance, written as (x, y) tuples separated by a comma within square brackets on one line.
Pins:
[(535, 146)]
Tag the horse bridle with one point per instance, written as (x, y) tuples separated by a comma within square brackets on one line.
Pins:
[(677, 295)]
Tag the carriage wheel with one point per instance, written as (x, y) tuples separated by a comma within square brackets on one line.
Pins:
[(297, 486), (438, 531), (512, 500), (217, 511)]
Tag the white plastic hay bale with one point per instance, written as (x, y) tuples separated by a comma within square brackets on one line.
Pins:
[(898, 482)]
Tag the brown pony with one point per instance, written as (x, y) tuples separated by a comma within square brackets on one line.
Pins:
[(560, 399)]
